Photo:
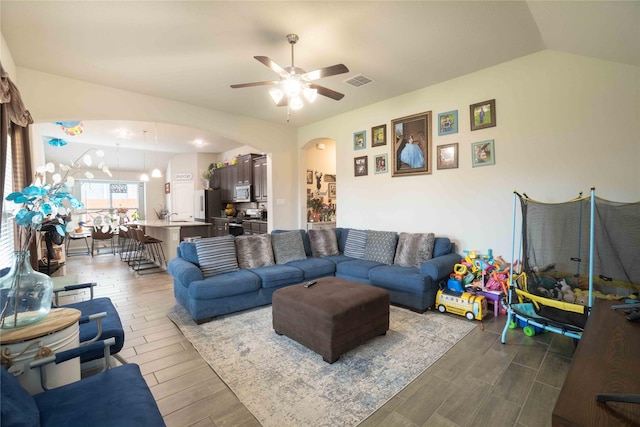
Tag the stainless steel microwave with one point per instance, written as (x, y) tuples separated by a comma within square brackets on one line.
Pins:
[(243, 193)]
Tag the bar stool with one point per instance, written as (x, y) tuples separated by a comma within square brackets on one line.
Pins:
[(150, 255), (97, 233)]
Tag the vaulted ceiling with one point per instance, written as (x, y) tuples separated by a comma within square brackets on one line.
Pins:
[(192, 51)]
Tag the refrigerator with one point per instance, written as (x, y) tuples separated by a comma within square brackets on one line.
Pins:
[(208, 204)]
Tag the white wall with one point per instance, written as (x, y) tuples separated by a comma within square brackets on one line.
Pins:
[(7, 59), (52, 98), (564, 123)]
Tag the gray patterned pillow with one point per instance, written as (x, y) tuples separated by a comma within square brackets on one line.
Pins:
[(254, 250), (414, 248), (323, 242), (356, 243), (381, 246), (217, 255), (288, 247)]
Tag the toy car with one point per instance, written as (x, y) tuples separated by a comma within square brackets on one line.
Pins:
[(462, 303)]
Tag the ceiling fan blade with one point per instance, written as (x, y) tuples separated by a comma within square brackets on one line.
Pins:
[(275, 67), (283, 102), (327, 92), (272, 82), (326, 72)]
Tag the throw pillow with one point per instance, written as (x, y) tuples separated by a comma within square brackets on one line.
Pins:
[(217, 255), (381, 246), (254, 251), (288, 246), (413, 249), (323, 243), (356, 243)]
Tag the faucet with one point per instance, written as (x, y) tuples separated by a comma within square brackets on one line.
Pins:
[(169, 215)]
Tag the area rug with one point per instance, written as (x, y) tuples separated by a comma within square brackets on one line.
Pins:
[(283, 383)]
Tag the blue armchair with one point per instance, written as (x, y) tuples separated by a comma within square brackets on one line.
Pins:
[(115, 397)]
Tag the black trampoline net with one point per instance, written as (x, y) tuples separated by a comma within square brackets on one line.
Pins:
[(555, 244)]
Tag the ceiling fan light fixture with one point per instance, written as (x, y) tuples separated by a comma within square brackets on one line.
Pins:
[(276, 95), (292, 87), (310, 94), (295, 103)]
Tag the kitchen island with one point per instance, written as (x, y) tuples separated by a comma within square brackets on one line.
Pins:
[(172, 233)]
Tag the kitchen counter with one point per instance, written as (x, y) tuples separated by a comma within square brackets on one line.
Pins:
[(171, 232)]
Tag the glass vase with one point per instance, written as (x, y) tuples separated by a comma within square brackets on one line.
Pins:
[(25, 294)]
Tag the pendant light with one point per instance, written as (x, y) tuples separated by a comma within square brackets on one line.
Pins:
[(155, 173), (144, 177)]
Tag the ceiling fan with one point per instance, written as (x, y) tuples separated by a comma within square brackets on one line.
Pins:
[(295, 82)]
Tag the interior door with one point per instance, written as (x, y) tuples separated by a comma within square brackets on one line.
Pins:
[(183, 200)]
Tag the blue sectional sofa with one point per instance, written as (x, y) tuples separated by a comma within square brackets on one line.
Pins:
[(208, 287)]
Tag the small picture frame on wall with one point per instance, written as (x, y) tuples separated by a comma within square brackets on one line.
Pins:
[(448, 156), (483, 153), (360, 140), (309, 176), (379, 136), (483, 114), (448, 123), (360, 166), (329, 177), (331, 190), (167, 188), (381, 163)]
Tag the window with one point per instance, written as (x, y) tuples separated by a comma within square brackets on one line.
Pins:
[(107, 197), (7, 225)]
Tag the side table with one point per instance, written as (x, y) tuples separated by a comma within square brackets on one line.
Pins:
[(493, 297), (58, 331)]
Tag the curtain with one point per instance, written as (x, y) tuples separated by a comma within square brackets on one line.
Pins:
[(15, 120)]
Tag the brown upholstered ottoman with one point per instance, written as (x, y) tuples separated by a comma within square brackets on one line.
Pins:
[(331, 317)]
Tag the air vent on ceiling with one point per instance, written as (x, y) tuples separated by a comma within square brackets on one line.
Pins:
[(358, 80)]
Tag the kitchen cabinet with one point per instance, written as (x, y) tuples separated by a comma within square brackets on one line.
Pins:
[(195, 231), (220, 227), (255, 227), (245, 169), (216, 179), (260, 179), (227, 176)]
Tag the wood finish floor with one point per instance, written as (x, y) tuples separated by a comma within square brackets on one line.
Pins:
[(478, 382)]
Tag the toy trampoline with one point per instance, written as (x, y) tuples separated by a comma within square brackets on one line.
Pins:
[(571, 252)]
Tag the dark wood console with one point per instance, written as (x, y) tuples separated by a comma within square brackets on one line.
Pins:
[(607, 360)]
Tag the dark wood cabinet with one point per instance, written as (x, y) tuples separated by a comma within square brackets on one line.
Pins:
[(260, 179), (216, 178), (195, 231), (254, 227), (227, 184), (220, 227)]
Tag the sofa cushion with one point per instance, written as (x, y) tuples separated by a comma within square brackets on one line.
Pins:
[(18, 407), (381, 246), (323, 242), (314, 267), (413, 249), (305, 239), (189, 252), (254, 250), (217, 255), (275, 276), (442, 246), (357, 268), (288, 246), (225, 285), (395, 277), (356, 243)]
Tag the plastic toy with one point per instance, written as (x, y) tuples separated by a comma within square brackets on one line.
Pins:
[(461, 303)]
